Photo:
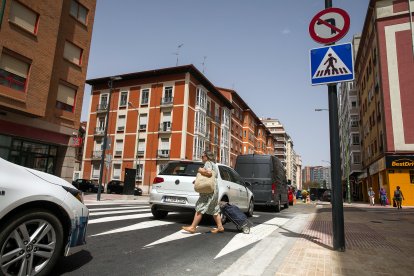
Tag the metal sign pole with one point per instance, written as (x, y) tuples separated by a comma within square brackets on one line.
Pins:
[(337, 204)]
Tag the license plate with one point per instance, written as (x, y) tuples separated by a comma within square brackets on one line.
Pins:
[(174, 199)]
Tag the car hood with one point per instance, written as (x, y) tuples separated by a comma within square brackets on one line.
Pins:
[(50, 178)]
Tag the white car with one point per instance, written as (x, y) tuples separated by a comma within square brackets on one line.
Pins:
[(41, 218), (173, 189)]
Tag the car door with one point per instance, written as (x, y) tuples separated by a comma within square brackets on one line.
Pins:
[(227, 186), (242, 190)]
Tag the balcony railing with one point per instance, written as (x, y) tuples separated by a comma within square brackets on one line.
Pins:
[(101, 107), (140, 153), (99, 131), (164, 153), (167, 101), (165, 127), (118, 153), (96, 154)]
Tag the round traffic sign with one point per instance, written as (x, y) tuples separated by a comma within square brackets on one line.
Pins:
[(329, 25)]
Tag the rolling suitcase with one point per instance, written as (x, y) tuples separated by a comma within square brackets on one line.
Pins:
[(235, 215)]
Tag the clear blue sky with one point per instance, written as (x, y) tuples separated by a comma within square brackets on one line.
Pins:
[(259, 48)]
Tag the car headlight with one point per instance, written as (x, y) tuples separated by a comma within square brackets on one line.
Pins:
[(76, 193)]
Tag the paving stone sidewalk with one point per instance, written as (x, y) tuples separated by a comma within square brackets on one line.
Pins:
[(379, 241)]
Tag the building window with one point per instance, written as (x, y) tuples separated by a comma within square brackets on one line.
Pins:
[(119, 146), (168, 94), (355, 138), (23, 17), (139, 170), (143, 119), (201, 98), (116, 171), (78, 11), (65, 98), (144, 96), (123, 99), (72, 53), (412, 176), (96, 170), (141, 146), (121, 123), (13, 72)]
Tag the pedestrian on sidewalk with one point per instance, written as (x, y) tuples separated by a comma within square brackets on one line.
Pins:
[(207, 203), (398, 197), (383, 197), (371, 195)]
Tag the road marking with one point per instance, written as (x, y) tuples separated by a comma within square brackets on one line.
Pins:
[(116, 208), (118, 218), (138, 226), (112, 202), (118, 212), (257, 233), (179, 235)]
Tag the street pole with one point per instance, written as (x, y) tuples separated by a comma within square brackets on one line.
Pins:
[(337, 203), (105, 139)]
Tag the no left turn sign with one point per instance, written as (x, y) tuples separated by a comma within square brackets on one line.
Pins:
[(329, 25)]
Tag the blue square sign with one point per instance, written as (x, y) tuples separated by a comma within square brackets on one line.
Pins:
[(332, 64)]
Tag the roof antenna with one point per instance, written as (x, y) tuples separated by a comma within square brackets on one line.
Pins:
[(204, 63), (178, 52)]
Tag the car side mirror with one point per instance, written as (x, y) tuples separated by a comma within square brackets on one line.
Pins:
[(247, 184)]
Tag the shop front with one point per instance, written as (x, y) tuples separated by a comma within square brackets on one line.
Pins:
[(400, 172)]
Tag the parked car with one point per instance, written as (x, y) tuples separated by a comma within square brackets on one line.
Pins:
[(117, 187), (173, 189), (42, 217), (87, 185), (326, 196), (268, 178)]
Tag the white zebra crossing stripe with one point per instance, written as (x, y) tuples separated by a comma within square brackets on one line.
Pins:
[(118, 212), (118, 218), (138, 226), (179, 235), (257, 233), (116, 208)]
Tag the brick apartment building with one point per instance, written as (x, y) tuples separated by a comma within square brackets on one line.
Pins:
[(248, 134), (44, 50), (166, 114), (383, 67)]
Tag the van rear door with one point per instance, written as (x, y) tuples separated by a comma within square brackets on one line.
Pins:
[(259, 175)]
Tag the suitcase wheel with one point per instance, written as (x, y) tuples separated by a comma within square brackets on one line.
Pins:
[(246, 229)]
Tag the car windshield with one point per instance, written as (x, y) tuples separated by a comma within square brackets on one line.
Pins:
[(185, 169)]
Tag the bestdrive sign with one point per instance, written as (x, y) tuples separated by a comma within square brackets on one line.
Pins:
[(406, 162)]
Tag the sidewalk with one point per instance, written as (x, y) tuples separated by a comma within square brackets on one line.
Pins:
[(114, 198), (379, 241)]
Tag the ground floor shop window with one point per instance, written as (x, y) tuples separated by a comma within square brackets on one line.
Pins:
[(38, 156)]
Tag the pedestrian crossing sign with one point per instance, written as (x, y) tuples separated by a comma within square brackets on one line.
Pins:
[(332, 64)]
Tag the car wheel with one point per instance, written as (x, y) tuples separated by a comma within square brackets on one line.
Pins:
[(158, 214), (286, 205), (251, 208), (31, 243)]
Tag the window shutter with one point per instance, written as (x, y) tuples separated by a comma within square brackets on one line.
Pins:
[(22, 16), (66, 95), (143, 119), (72, 53), (14, 66), (121, 121), (167, 117)]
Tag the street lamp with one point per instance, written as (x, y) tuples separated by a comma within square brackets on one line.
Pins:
[(105, 139), (137, 163)]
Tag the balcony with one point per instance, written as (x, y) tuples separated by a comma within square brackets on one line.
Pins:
[(167, 101), (96, 154), (164, 153), (120, 128), (118, 153), (101, 107), (165, 127), (140, 153), (99, 131)]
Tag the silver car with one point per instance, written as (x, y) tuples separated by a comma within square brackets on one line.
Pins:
[(173, 189)]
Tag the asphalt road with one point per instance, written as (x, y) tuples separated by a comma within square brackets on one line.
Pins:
[(124, 239)]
